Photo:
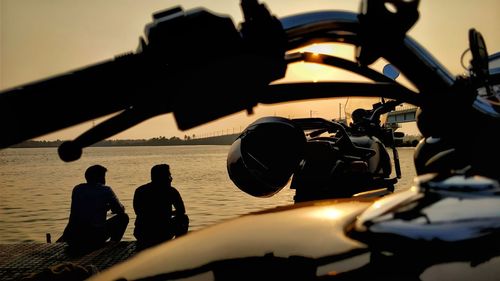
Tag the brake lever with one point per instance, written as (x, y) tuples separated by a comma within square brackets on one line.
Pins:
[(72, 150)]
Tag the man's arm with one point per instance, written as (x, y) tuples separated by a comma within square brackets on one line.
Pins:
[(178, 203), (138, 202), (115, 205)]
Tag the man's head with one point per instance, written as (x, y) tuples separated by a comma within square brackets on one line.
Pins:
[(96, 174), (161, 174)]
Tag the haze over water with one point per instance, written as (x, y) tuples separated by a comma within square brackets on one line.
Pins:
[(35, 186)]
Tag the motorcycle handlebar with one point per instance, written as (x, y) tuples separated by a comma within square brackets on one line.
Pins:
[(169, 70), (156, 79)]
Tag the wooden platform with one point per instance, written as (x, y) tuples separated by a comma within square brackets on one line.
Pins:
[(21, 260)]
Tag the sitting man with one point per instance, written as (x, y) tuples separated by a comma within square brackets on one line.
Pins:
[(88, 227), (156, 221)]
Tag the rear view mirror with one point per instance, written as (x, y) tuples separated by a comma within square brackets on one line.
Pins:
[(391, 71), (479, 52)]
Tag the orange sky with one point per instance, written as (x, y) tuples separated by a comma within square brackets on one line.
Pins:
[(40, 38)]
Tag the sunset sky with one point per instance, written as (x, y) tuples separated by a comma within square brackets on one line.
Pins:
[(41, 38)]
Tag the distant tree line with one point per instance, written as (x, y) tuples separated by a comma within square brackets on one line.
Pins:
[(34, 143), (159, 141)]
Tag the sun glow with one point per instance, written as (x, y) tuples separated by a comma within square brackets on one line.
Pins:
[(328, 213), (320, 48), (314, 72)]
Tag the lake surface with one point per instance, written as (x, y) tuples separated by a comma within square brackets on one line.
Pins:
[(35, 185)]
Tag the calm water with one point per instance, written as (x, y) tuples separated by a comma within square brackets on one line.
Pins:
[(35, 185)]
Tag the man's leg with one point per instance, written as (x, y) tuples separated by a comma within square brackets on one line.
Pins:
[(116, 226)]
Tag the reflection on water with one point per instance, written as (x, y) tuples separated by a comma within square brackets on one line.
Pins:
[(36, 185)]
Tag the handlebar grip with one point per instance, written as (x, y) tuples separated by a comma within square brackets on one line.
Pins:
[(55, 103)]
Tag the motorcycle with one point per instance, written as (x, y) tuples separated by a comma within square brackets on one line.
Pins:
[(444, 227), (349, 161)]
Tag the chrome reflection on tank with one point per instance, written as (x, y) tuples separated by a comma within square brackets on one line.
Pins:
[(452, 209)]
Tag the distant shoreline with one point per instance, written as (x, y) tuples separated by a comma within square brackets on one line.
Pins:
[(160, 141)]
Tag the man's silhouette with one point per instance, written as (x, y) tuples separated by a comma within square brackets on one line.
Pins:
[(156, 220), (88, 226)]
